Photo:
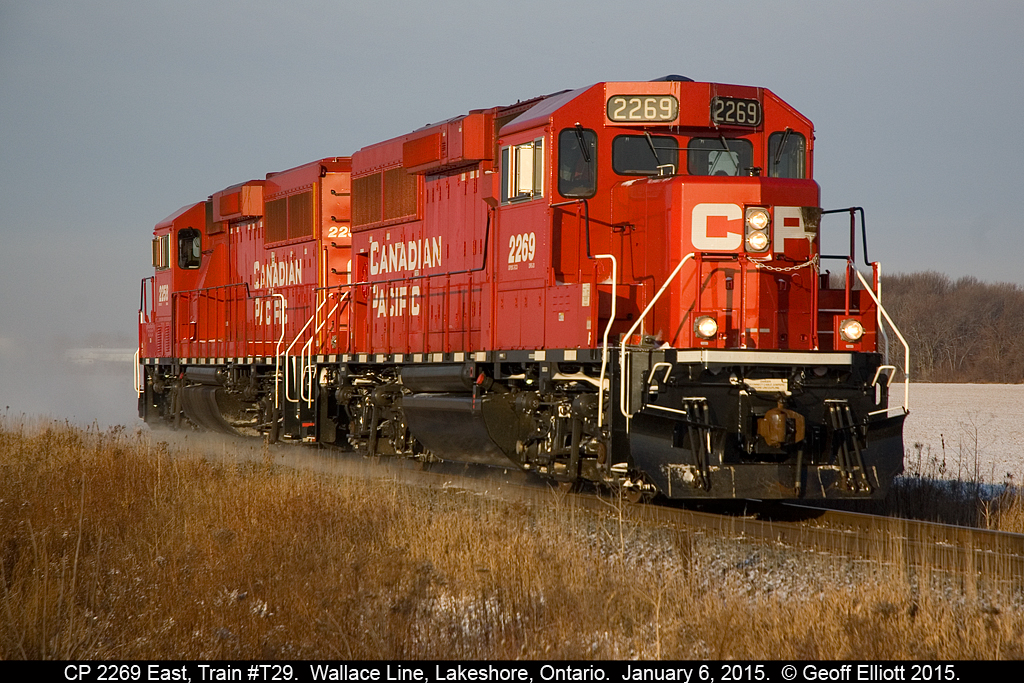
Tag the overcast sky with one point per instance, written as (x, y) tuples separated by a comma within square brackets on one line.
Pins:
[(114, 113)]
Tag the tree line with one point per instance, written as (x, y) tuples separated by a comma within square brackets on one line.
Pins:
[(960, 330)]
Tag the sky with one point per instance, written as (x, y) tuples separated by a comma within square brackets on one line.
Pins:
[(115, 113)]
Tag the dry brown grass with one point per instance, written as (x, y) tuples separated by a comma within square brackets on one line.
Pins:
[(934, 490), (1006, 513), (112, 546)]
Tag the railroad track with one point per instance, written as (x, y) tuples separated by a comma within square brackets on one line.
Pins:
[(994, 554), (913, 543)]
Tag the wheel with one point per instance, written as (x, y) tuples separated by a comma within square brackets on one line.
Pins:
[(633, 495)]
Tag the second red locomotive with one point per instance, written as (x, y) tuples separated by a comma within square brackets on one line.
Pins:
[(621, 283)]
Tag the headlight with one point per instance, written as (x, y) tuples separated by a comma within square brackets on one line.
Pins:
[(706, 327), (757, 219), (756, 229), (757, 241), (851, 330)]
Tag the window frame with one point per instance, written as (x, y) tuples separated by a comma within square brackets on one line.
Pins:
[(801, 158), (162, 252), (187, 260), (522, 171), (589, 136)]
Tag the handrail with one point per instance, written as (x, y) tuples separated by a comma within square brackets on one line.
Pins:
[(853, 210), (277, 350), (190, 295), (877, 278), (851, 258), (607, 331), (304, 364), (906, 346), (138, 375), (306, 359), (143, 313), (640, 319), (615, 283), (287, 352)]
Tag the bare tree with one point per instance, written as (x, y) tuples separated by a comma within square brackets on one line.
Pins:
[(959, 331)]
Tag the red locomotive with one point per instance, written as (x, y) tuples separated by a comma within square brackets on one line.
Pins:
[(622, 283)]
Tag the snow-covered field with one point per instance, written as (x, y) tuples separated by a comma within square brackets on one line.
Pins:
[(975, 430)]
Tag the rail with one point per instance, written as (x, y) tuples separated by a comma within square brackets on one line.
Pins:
[(853, 211), (851, 257), (906, 542), (144, 316)]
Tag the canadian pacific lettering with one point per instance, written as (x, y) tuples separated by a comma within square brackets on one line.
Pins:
[(273, 273), (398, 257), (393, 301), (269, 311)]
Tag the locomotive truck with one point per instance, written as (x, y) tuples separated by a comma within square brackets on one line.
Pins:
[(622, 283)]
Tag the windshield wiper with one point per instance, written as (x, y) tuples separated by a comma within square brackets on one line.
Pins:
[(727, 151), (583, 144), (654, 150), (782, 146)]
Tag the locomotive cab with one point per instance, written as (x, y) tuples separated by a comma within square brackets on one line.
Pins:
[(689, 209)]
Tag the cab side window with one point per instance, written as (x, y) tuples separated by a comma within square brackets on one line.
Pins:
[(522, 171), (577, 163), (162, 252), (190, 248)]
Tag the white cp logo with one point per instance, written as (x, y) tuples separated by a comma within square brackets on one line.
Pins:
[(733, 237)]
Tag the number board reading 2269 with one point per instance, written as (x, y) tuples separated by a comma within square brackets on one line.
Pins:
[(656, 108), (731, 111)]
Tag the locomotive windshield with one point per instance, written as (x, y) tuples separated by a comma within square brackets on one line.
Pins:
[(716, 156), (786, 154), (635, 154)]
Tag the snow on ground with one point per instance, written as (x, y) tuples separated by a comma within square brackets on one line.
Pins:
[(976, 430)]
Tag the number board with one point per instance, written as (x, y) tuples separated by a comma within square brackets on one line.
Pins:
[(643, 108), (732, 111)]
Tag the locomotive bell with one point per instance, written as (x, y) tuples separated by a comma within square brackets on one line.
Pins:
[(781, 426)]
